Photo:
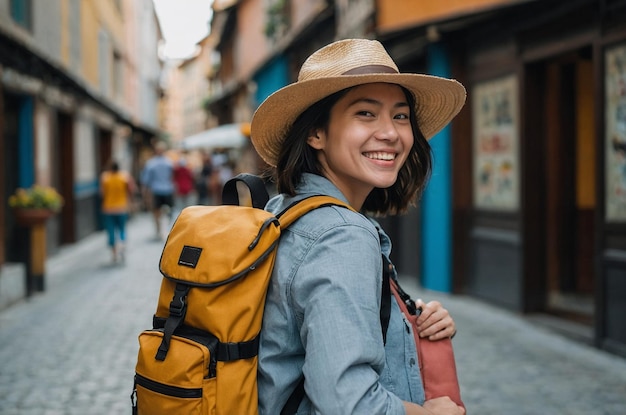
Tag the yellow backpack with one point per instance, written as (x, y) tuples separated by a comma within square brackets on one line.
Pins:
[(200, 357)]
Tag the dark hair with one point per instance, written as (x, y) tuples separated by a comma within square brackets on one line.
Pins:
[(296, 157)]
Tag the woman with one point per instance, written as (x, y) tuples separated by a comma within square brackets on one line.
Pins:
[(354, 128), (116, 189)]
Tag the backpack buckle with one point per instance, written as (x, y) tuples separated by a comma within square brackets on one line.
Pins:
[(178, 305), (178, 309)]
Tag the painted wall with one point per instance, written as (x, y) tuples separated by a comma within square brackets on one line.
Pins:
[(187, 88), (102, 35), (71, 35), (146, 60), (46, 28), (89, 45), (302, 11), (193, 87), (173, 122), (399, 14), (251, 46)]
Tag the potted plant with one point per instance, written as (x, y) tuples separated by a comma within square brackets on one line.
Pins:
[(35, 204)]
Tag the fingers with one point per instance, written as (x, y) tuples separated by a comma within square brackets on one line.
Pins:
[(434, 323), (439, 330)]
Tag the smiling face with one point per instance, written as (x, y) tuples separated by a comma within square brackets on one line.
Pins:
[(367, 141)]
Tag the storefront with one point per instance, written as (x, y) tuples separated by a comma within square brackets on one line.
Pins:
[(538, 159), (548, 119)]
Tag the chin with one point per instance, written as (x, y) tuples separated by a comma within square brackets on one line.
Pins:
[(384, 185), (388, 180)]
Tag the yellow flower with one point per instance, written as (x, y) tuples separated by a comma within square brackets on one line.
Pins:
[(36, 197)]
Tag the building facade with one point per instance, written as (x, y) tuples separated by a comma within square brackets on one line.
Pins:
[(534, 158), (526, 207), (79, 86)]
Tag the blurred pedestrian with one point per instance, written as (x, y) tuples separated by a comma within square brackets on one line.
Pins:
[(184, 185), (116, 188), (223, 170), (157, 178), (203, 178), (227, 171)]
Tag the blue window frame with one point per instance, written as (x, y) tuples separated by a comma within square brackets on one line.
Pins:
[(21, 13)]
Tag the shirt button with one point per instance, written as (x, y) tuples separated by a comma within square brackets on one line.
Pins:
[(412, 362)]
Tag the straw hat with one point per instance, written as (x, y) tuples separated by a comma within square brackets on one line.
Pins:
[(344, 64)]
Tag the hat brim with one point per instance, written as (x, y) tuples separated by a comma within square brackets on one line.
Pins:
[(438, 101)]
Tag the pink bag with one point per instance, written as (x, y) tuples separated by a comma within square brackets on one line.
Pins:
[(436, 358)]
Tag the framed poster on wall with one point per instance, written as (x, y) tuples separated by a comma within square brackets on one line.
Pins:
[(615, 133), (495, 136)]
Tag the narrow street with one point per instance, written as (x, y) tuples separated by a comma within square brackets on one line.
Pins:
[(72, 349)]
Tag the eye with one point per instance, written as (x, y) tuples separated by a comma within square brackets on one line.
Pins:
[(401, 116), (365, 113)]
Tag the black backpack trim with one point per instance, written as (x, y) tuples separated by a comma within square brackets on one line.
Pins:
[(178, 309), (183, 393), (223, 352)]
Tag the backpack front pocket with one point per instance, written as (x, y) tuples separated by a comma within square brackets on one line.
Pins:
[(182, 383)]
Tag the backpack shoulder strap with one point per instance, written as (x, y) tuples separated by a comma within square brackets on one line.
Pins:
[(301, 207)]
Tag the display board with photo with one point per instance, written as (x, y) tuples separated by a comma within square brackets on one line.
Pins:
[(496, 142), (615, 133)]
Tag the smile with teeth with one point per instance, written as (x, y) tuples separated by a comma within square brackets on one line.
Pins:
[(379, 155)]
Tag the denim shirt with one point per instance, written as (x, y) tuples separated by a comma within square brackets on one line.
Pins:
[(322, 317)]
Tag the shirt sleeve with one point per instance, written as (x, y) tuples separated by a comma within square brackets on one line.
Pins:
[(336, 294)]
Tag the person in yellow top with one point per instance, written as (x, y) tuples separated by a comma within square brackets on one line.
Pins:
[(116, 188)]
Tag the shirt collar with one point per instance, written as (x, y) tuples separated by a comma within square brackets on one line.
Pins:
[(311, 184)]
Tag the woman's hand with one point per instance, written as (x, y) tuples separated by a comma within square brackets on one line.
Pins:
[(436, 406), (435, 322), (443, 406)]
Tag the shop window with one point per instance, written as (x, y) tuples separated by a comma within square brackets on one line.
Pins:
[(104, 63), (118, 76)]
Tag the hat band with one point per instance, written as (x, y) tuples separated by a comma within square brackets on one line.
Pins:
[(370, 69)]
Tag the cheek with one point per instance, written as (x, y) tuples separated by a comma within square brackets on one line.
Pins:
[(407, 143), (344, 141)]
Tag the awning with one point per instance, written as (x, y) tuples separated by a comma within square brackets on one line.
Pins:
[(224, 136)]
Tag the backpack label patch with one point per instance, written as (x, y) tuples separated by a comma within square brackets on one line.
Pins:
[(189, 256)]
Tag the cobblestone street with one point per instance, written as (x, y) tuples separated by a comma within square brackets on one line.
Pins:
[(72, 349)]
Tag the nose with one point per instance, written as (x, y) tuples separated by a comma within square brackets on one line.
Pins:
[(386, 130)]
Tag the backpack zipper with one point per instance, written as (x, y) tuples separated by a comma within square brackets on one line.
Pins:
[(185, 393)]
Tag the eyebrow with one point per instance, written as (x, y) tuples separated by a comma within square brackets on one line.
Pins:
[(399, 104)]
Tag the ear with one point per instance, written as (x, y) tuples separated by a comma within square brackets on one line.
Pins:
[(316, 139)]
